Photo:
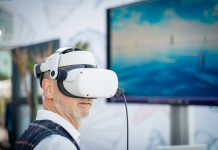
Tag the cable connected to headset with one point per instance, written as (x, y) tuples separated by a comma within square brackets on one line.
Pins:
[(120, 91)]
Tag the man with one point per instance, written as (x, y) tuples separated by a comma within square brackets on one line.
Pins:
[(70, 80)]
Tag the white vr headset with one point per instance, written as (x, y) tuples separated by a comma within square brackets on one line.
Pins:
[(78, 75)]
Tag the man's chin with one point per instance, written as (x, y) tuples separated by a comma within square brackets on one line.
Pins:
[(80, 116)]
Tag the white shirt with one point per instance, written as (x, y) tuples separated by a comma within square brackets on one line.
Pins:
[(55, 142)]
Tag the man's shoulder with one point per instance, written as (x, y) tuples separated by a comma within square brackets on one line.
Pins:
[(55, 142)]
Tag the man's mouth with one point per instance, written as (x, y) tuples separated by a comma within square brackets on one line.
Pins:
[(85, 104)]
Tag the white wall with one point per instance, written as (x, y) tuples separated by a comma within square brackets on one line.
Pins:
[(75, 20)]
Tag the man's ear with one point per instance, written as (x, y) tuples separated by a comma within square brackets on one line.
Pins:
[(48, 88)]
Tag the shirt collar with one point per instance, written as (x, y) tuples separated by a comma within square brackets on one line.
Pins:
[(48, 115)]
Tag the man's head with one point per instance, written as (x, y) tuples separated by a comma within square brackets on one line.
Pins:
[(70, 79), (78, 108)]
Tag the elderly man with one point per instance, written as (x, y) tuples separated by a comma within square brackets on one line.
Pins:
[(70, 80)]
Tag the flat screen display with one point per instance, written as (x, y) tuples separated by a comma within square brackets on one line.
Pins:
[(165, 51)]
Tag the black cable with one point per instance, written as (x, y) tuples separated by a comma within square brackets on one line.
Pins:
[(119, 92), (127, 122)]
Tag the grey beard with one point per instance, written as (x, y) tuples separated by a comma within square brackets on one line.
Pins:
[(76, 116)]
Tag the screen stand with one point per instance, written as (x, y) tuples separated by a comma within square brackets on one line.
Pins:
[(179, 125)]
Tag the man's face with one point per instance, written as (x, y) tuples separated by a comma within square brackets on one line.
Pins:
[(78, 108)]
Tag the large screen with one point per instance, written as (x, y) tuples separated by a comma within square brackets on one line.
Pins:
[(165, 51)]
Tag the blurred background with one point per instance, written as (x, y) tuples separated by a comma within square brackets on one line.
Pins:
[(31, 30)]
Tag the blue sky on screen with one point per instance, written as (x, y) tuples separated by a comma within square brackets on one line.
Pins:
[(155, 24), (154, 11)]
